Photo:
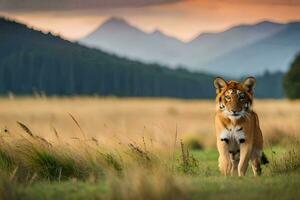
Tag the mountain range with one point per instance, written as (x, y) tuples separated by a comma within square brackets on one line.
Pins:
[(119, 37), (33, 62), (240, 50)]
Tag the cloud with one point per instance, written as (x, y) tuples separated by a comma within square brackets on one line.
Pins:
[(40, 5)]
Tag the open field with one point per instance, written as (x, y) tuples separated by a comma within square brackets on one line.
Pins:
[(109, 148), (125, 119)]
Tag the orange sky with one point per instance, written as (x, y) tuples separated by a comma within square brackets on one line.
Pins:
[(183, 20)]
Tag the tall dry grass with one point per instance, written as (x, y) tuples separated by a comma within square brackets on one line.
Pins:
[(289, 161), (111, 120), (28, 157), (137, 170)]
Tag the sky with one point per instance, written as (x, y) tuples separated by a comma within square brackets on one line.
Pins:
[(183, 19)]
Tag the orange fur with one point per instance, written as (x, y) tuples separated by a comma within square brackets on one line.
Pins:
[(235, 117)]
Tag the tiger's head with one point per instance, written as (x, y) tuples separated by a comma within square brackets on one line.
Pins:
[(234, 99)]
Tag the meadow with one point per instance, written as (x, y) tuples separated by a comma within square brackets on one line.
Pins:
[(111, 148)]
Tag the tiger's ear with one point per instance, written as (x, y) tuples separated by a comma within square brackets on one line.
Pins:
[(219, 84), (249, 84)]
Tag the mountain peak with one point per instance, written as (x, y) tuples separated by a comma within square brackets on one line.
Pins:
[(267, 22), (157, 32), (115, 24), (115, 20)]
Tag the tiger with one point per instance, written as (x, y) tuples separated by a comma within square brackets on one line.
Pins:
[(235, 118)]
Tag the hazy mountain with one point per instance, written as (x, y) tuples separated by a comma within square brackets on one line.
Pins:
[(240, 50), (273, 53), (208, 46), (119, 37)]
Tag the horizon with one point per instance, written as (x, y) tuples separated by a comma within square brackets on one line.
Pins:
[(145, 31), (74, 21)]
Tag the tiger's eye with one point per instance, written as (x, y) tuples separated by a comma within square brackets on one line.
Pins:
[(227, 97), (242, 97)]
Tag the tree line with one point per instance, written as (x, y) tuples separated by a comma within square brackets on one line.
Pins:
[(292, 80)]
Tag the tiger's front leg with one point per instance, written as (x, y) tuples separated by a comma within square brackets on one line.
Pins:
[(224, 159), (245, 154), (225, 165)]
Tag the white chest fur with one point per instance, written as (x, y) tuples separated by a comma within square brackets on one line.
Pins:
[(233, 133)]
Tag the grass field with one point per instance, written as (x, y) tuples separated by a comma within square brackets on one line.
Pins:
[(109, 148)]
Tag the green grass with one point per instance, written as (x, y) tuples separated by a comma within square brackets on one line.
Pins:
[(278, 187), (34, 168), (206, 184)]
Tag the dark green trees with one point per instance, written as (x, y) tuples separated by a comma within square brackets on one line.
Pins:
[(291, 80)]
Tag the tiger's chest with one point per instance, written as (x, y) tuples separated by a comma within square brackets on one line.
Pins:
[(233, 133)]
